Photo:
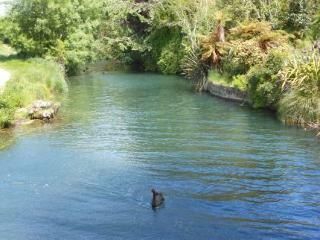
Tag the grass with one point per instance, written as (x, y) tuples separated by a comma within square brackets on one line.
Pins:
[(31, 79), (217, 78), (301, 110), (238, 81)]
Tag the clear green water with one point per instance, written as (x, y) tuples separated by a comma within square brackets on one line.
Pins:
[(227, 172)]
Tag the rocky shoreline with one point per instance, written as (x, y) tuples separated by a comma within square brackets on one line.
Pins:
[(225, 92)]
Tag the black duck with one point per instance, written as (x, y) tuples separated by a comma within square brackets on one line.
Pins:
[(157, 199)]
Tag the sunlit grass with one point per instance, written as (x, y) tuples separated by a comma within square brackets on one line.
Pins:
[(238, 82)]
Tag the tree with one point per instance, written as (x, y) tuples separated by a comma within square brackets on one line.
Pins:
[(65, 30)]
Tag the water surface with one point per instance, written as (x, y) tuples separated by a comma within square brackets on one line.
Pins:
[(228, 172)]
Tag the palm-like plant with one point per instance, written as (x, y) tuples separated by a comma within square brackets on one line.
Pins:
[(194, 68), (211, 45)]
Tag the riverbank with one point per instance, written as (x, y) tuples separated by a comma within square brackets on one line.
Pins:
[(238, 90), (31, 80)]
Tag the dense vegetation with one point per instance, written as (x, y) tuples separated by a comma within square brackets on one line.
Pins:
[(266, 48)]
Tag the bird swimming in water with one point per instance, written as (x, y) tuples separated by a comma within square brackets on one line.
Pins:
[(157, 199)]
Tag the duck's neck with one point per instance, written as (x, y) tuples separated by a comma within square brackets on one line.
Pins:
[(154, 194)]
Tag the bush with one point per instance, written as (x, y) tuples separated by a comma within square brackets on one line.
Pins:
[(241, 56), (170, 59), (240, 82), (264, 87), (297, 17), (65, 31)]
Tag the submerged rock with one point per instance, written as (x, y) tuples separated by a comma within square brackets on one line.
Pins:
[(43, 110)]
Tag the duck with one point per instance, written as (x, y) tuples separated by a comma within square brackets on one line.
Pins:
[(157, 199)]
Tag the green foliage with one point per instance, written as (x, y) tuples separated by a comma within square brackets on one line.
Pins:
[(194, 68), (6, 118), (263, 81), (240, 82), (259, 86), (170, 59), (250, 30), (242, 55), (249, 46), (297, 17), (315, 33), (63, 30), (301, 83), (35, 78), (220, 79), (176, 25), (166, 50), (299, 109)]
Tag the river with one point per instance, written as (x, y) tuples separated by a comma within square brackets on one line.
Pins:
[(227, 171)]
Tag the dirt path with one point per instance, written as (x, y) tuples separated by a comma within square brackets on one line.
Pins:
[(4, 77)]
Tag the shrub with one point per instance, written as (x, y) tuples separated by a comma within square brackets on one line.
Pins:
[(170, 58), (240, 82), (250, 45), (250, 30), (297, 18), (264, 87), (242, 55), (277, 58)]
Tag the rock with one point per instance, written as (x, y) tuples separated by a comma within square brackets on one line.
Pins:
[(42, 104), (228, 93), (43, 110)]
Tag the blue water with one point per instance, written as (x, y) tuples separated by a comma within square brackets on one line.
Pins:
[(228, 172)]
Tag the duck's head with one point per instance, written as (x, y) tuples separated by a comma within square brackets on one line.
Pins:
[(153, 191)]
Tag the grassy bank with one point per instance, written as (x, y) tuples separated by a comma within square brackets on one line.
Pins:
[(31, 79), (286, 83)]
